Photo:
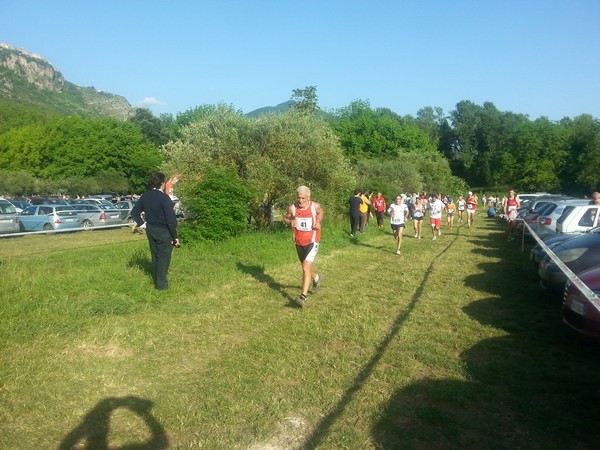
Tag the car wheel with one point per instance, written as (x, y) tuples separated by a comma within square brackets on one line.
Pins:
[(87, 224), (48, 227)]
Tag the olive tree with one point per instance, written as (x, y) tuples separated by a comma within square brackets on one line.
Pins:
[(273, 153)]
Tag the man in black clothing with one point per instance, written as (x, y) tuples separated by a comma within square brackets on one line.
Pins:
[(355, 202), (161, 226)]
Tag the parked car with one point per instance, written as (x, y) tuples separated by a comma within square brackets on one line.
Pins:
[(111, 196), (49, 217), (125, 207), (578, 254), (48, 201), (98, 201), (96, 215), (578, 313), (533, 211), (9, 218), (20, 205), (578, 219), (546, 223), (526, 198), (537, 253)]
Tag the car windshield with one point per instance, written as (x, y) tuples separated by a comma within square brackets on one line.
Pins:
[(7, 208)]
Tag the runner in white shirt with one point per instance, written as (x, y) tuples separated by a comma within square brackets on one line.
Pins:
[(398, 212), (461, 204), (436, 206)]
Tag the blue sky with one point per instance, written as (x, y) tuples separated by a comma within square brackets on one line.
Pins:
[(536, 57)]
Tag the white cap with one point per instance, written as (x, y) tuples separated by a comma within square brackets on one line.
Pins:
[(470, 193)]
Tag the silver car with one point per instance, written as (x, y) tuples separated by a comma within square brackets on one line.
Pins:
[(48, 218), (9, 218), (97, 216)]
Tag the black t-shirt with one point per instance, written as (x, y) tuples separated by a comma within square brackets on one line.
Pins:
[(355, 203)]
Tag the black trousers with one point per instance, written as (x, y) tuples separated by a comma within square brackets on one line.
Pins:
[(161, 248), (354, 221)]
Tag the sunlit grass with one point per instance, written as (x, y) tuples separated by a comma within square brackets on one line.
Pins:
[(449, 345)]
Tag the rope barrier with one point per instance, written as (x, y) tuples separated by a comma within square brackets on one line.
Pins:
[(68, 230), (571, 276)]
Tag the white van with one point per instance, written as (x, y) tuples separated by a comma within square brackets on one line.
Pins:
[(578, 219)]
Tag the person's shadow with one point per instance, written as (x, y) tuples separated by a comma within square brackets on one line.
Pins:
[(141, 261), (94, 430), (259, 275)]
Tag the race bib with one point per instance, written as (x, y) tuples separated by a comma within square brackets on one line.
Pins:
[(304, 224)]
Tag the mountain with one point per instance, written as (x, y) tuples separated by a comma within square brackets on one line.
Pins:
[(282, 107), (28, 81)]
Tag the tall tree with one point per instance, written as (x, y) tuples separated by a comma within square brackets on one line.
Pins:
[(306, 100), (151, 126)]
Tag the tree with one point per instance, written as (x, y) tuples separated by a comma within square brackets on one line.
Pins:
[(273, 153), (380, 133), (153, 128), (538, 152), (583, 164), (76, 147), (305, 100)]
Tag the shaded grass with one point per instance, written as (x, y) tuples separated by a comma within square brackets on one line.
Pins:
[(450, 345)]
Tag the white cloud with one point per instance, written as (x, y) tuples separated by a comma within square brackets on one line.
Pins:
[(150, 101)]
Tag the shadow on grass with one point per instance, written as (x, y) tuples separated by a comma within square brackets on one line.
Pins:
[(141, 261), (531, 388), (322, 429), (94, 430), (258, 273)]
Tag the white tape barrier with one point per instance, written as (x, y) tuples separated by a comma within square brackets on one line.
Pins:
[(68, 230), (574, 279)]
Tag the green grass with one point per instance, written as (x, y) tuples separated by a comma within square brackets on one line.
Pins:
[(450, 345)]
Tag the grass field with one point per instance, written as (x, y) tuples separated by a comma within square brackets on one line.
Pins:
[(452, 344)]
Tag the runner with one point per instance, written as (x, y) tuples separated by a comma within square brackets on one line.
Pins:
[(379, 204), (418, 214), (471, 207), (511, 206), (435, 215), (460, 206), (305, 217), (398, 212), (450, 208)]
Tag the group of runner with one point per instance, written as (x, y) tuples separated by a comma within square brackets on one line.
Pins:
[(416, 206), (305, 217)]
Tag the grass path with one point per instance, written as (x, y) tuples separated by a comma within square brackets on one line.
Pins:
[(449, 345)]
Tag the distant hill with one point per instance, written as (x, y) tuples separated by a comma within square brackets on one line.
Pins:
[(29, 82), (281, 108)]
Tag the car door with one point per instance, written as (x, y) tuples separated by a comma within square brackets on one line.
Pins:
[(34, 218)]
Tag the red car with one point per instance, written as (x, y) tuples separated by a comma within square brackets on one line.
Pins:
[(579, 313)]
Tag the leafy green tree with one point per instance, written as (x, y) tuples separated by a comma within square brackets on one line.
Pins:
[(380, 133), (76, 147), (16, 183), (273, 153), (583, 163), (153, 128), (305, 100), (538, 153)]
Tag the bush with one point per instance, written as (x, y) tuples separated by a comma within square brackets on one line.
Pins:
[(218, 205)]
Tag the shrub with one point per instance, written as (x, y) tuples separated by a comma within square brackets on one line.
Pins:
[(218, 206)]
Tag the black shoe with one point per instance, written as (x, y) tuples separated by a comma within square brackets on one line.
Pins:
[(301, 300), (316, 285)]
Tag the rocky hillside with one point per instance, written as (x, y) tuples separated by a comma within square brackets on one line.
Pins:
[(28, 80)]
